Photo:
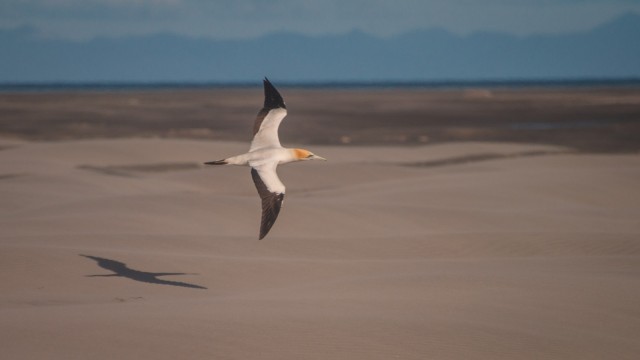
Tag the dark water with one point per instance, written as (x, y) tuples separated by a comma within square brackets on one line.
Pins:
[(123, 86)]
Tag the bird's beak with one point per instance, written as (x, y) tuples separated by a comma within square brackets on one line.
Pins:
[(316, 157)]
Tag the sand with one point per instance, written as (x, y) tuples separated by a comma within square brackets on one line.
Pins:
[(127, 248), (586, 119)]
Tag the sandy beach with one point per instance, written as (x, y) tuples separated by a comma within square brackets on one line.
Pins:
[(115, 242)]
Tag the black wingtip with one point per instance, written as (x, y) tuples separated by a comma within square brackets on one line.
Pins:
[(264, 229), (270, 210), (272, 98)]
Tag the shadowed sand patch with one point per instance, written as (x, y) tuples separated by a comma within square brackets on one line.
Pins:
[(11, 176), (129, 170), (466, 159)]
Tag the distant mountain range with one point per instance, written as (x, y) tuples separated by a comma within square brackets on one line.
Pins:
[(611, 50)]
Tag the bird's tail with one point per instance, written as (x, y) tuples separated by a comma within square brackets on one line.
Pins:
[(217, 162)]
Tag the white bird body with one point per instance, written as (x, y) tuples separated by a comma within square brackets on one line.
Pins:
[(262, 156), (265, 154)]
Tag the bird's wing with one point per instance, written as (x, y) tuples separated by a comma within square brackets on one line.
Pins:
[(265, 129), (271, 191)]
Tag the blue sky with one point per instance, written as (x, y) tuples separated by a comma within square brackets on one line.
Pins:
[(224, 19)]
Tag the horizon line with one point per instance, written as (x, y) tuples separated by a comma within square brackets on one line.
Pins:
[(318, 84)]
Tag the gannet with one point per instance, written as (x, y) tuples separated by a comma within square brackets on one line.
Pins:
[(265, 154)]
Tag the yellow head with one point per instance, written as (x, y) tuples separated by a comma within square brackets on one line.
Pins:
[(302, 154)]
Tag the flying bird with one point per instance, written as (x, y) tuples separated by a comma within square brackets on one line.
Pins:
[(265, 154)]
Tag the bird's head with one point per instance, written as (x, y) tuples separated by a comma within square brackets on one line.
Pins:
[(302, 154)]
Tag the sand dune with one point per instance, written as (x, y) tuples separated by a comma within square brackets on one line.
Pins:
[(130, 249)]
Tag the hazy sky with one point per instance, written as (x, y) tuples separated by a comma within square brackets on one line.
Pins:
[(250, 18)]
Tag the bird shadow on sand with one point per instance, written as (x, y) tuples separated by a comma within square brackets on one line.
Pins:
[(121, 269)]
